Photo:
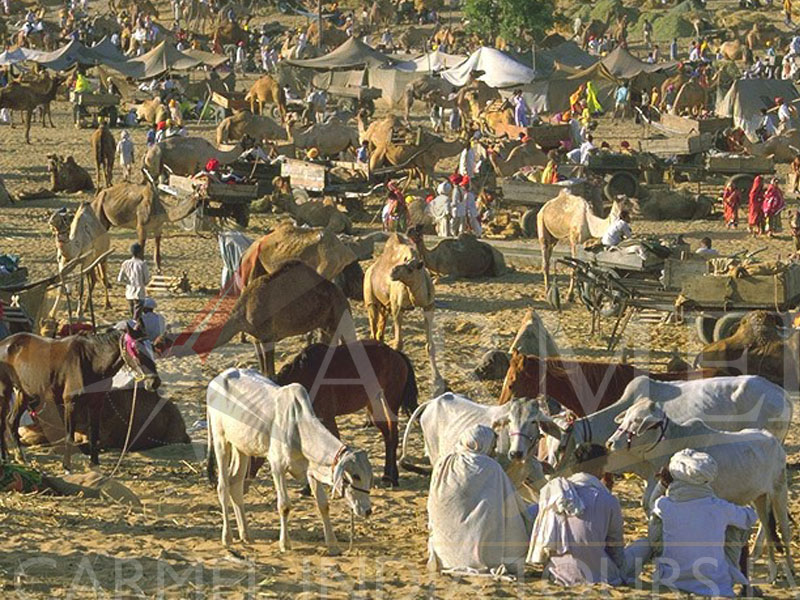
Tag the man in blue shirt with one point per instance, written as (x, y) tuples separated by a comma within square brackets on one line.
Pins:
[(621, 100)]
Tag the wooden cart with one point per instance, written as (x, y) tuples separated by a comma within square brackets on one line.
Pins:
[(532, 196), (315, 178), (93, 104), (685, 125), (214, 200), (548, 137)]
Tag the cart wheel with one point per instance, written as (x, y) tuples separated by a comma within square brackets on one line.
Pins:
[(621, 183), (276, 113), (704, 326), (727, 324), (743, 181), (527, 222)]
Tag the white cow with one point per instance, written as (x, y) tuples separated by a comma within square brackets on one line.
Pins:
[(751, 463), (249, 415), (517, 423), (725, 403)]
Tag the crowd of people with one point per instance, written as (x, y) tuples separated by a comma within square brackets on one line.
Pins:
[(478, 523)]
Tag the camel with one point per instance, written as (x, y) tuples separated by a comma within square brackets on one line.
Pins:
[(243, 123), (676, 81), (313, 213), (319, 248), (420, 158), (198, 14), (433, 91), (266, 90), (595, 29), (67, 175), (82, 236), (380, 12), (522, 155), (105, 149), (570, 217), (186, 155), (465, 256), (756, 347), (380, 132), (330, 139), (139, 207), (495, 118), (48, 86), (395, 282), (26, 98), (781, 148), (732, 50), (5, 198), (444, 36), (293, 300), (691, 95), (413, 38), (152, 111), (474, 95), (332, 36), (229, 34)]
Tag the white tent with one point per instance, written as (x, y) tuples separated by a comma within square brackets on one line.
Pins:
[(499, 70), (432, 62)]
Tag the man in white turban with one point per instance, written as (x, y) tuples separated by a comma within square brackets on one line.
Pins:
[(697, 536), (478, 523)]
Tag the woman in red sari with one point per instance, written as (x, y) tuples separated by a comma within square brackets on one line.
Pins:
[(772, 206), (731, 199), (755, 214)]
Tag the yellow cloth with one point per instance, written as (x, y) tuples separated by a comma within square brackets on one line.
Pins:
[(592, 103), (549, 171), (576, 96), (82, 84)]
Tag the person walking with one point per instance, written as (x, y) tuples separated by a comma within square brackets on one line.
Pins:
[(471, 207), (755, 215), (125, 150), (621, 97), (135, 275), (773, 205), (731, 199)]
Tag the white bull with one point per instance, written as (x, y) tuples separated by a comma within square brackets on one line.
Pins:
[(249, 415), (517, 423), (751, 463)]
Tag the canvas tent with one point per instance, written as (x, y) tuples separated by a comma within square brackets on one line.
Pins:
[(165, 57), (746, 97), (353, 54), (625, 65), (65, 57), (552, 94), (545, 61), (432, 62), (500, 70)]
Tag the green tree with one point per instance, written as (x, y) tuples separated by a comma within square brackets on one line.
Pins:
[(509, 18)]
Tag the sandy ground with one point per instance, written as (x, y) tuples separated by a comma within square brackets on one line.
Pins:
[(70, 547)]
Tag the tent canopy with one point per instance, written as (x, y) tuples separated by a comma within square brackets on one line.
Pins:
[(547, 59), (165, 57), (746, 97), (499, 70), (353, 54), (552, 94), (431, 62), (625, 65)]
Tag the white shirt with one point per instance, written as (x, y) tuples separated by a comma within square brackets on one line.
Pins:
[(467, 162), (784, 114), (694, 55), (703, 251), (618, 231), (586, 148), (134, 272)]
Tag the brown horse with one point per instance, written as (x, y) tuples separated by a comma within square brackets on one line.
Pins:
[(50, 376), (344, 379), (580, 386)]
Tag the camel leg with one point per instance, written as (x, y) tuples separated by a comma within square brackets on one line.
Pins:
[(266, 358), (157, 253), (103, 271), (574, 252), (547, 251), (50, 116), (397, 321), (430, 347), (28, 118)]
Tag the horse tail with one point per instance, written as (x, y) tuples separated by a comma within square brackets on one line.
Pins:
[(410, 391), (404, 462), (210, 456)]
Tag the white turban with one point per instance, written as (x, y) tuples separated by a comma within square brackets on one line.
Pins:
[(444, 188), (693, 466), (478, 439)]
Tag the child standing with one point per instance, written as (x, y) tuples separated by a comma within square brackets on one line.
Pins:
[(135, 275), (125, 150)]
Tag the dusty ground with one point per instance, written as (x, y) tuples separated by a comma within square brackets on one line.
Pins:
[(59, 547)]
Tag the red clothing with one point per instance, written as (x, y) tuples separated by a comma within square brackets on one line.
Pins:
[(773, 201), (731, 199), (755, 215)]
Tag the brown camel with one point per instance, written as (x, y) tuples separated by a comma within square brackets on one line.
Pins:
[(757, 347), (332, 36), (139, 207), (465, 256), (433, 91), (527, 154), (395, 282), (474, 95), (732, 50), (691, 96), (67, 176), (313, 213), (318, 248), (105, 149), (186, 155), (230, 34), (243, 123), (380, 12), (293, 300), (495, 118), (413, 38), (26, 98), (420, 158), (330, 139), (676, 81), (570, 217), (152, 111), (82, 235), (782, 148), (198, 15), (595, 29), (266, 90)]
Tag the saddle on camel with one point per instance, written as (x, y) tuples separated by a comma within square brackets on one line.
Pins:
[(56, 377)]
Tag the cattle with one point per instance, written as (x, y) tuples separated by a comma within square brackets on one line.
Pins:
[(751, 463), (726, 403), (517, 423), (249, 415)]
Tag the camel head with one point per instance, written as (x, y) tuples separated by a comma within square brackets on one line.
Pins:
[(60, 220), (407, 271), (623, 203), (53, 163)]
